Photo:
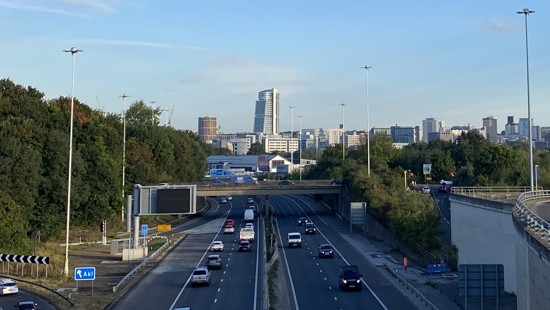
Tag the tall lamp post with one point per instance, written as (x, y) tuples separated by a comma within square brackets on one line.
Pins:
[(343, 135), (123, 96), (291, 133), (300, 147), (367, 67), (73, 52), (526, 12)]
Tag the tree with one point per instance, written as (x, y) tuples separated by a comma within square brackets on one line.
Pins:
[(256, 149)]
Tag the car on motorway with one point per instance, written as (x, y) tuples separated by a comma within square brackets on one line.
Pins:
[(286, 182), (249, 200), (349, 278), (302, 220), (310, 228), (229, 197), (326, 250), (253, 208), (229, 229), (294, 239), (8, 286), (217, 182), (425, 189), (214, 261), (201, 276), (446, 182), (336, 182), (223, 200), (443, 189), (244, 246), (229, 222), (26, 305), (251, 225), (216, 246)]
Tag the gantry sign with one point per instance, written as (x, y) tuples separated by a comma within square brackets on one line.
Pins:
[(164, 199)]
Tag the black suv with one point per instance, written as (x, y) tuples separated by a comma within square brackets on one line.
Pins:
[(350, 278), (302, 220), (310, 228)]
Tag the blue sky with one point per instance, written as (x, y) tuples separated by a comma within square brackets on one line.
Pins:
[(457, 61)]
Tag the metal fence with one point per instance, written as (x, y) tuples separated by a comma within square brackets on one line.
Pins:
[(498, 193), (535, 222)]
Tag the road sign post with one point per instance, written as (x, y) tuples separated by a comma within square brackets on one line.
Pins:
[(85, 274)]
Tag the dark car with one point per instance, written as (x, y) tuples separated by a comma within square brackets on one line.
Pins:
[(302, 220), (26, 305), (244, 246), (350, 278), (443, 189), (286, 182), (310, 228), (335, 182), (326, 250)]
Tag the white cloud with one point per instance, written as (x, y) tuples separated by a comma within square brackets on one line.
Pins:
[(125, 43), (28, 6), (501, 27)]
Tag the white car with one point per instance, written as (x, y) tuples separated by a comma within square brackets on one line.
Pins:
[(8, 286), (426, 189), (446, 182), (229, 198), (216, 246), (229, 230), (250, 200)]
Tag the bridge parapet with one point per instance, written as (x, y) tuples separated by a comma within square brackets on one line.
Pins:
[(523, 203)]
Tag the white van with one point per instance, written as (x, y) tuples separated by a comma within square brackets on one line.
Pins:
[(249, 215)]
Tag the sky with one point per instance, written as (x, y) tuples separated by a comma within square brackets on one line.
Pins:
[(456, 61)]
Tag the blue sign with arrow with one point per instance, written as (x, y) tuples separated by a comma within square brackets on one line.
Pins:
[(84, 273), (144, 230)]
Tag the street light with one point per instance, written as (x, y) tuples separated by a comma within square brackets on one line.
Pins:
[(343, 134), (367, 67), (526, 12), (300, 147), (123, 96), (291, 134), (73, 52)]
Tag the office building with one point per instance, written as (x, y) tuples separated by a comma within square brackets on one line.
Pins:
[(490, 124), (207, 129), (429, 125), (266, 115), (511, 129), (402, 134)]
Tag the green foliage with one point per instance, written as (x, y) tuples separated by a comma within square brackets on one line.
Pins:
[(34, 162), (256, 148)]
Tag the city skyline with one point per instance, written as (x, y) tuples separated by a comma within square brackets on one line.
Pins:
[(205, 59)]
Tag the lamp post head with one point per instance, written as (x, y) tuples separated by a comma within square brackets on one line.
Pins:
[(525, 11), (366, 67), (73, 50)]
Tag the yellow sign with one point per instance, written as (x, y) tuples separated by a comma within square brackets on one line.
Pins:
[(164, 227)]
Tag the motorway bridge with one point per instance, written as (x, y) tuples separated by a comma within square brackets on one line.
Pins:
[(306, 187)]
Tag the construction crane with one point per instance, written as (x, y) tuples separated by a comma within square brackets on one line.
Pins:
[(170, 118)]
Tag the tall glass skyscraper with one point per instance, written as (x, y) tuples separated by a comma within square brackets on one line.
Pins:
[(266, 115)]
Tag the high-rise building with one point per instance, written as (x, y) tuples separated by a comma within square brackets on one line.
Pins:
[(524, 126), (490, 124), (207, 129), (429, 125), (266, 115)]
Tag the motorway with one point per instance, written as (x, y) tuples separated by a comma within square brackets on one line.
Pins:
[(9, 301), (237, 284), (313, 282)]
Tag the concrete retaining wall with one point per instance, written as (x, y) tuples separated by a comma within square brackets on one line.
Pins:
[(483, 232)]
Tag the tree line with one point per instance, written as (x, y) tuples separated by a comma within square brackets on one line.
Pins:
[(34, 157), (470, 161)]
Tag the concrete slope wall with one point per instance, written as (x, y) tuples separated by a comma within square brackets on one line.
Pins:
[(484, 233)]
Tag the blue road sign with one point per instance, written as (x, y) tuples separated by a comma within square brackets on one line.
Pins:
[(84, 273), (144, 229)]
